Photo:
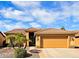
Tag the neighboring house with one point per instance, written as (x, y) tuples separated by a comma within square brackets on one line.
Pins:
[(2, 39), (54, 38), (75, 41)]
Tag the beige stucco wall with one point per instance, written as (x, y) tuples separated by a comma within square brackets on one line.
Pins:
[(76, 42), (38, 39), (77, 34), (1, 39)]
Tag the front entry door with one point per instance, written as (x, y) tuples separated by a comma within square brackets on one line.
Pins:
[(32, 39)]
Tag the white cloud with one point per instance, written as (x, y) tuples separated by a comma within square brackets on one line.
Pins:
[(10, 13), (69, 9), (10, 26), (75, 26), (41, 15), (27, 4), (16, 14), (45, 17), (34, 24)]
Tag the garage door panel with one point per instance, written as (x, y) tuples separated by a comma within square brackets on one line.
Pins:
[(52, 42)]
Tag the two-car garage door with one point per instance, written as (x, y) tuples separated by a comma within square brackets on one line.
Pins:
[(54, 41)]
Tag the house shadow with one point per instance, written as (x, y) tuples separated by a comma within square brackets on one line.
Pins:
[(35, 51), (76, 47)]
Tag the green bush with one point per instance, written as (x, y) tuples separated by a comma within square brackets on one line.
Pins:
[(9, 45), (20, 53)]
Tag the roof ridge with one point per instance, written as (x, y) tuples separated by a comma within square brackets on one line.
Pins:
[(55, 31), (49, 29)]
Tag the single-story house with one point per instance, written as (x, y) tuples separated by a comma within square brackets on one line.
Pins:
[(2, 39), (54, 38), (47, 38)]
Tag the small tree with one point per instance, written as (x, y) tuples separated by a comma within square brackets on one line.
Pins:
[(63, 28)]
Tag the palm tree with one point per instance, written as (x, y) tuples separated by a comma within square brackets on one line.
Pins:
[(10, 40), (20, 39), (17, 40)]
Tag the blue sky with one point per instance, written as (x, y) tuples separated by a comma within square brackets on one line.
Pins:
[(39, 14)]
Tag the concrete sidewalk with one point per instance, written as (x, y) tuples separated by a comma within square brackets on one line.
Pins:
[(59, 53)]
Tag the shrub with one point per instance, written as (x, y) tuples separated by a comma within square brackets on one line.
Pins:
[(8, 45), (20, 53)]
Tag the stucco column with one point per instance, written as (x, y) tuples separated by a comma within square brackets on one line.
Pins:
[(27, 37), (38, 41), (68, 41)]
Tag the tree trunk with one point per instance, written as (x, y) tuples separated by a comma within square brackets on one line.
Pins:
[(11, 43), (24, 45)]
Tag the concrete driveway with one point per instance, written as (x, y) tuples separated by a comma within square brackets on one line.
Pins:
[(59, 53)]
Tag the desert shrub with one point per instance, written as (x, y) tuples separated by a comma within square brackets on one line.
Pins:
[(20, 53), (8, 45)]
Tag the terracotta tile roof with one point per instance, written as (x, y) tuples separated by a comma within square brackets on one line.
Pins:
[(42, 31), (17, 31), (32, 29), (55, 31), (23, 31), (77, 32)]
